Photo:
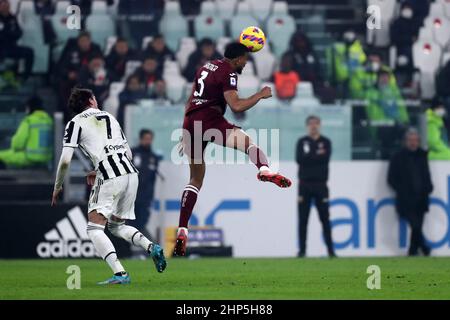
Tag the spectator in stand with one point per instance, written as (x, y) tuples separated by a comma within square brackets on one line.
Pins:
[(151, 77), (117, 59), (366, 78), (286, 79), (158, 48), (206, 51), (404, 31), (133, 92), (76, 54), (142, 18), (45, 9), (387, 113), (421, 8), (408, 78), (384, 101), (304, 59), (343, 60), (32, 144), (443, 86), (437, 144), (95, 76), (409, 176), (10, 33)]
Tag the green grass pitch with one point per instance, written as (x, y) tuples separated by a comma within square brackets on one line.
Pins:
[(220, 278)]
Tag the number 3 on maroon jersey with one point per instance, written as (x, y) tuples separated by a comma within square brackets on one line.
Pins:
[(200, 81)]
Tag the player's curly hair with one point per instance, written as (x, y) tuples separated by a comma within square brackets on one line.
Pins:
[(235, 50), (79, 99)]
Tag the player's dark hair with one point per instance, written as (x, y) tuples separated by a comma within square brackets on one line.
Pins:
[(79, 99), (235, 50), (312, 117), (143, 132)]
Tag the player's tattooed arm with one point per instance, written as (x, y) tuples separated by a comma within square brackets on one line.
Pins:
[(242, 104), (63, 166)]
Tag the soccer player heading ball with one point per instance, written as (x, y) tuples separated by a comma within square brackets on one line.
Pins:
[(215, 86)]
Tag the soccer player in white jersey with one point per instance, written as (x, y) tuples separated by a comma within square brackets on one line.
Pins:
[(115, 181)]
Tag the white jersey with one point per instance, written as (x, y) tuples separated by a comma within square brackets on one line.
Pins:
[(98, 134)]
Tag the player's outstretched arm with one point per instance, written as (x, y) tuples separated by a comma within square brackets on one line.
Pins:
[(63, 166), (239, 105)]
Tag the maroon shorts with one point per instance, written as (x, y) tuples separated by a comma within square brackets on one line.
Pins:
[(201, 127)]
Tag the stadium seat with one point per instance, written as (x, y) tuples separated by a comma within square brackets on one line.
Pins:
[(33, 36), (62, 33), (131, 67), (425, 33), (221, 44), (208, 8), (175, 87), (110, 42), (173, 32), (437, 9), (14, 6), (381, 37), (187, 90), (146, 41), (111, 104), (446, 6), (260, 9), (445, 58), (100, 26), (61, 7), (280, 7), (301, 102), (280, 27), (241, 21), (248, 85), (171, 68), (226, 8), (387, 8), (427, 58), (187, 46), (265, 63), (99, 7), (249, 69), (208, 26), (271, 103), (305, 90), (441, 32), (243, 8)]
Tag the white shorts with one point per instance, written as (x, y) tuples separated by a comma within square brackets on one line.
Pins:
[(115, 196)]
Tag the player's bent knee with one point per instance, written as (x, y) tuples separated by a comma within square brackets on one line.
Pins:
[(93, 230), (96, 217), (121, 230)]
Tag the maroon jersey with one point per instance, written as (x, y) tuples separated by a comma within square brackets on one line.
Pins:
[(210, 82)]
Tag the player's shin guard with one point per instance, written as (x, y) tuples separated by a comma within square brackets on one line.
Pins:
[(104, 246), (130, 234), (257, 156), (188, 200)]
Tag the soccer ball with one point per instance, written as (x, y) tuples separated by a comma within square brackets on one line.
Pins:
[(253, 38)]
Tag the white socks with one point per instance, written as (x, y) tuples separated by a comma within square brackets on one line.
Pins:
[(264, 168), (104, 246), (130, 234), (184, 229)]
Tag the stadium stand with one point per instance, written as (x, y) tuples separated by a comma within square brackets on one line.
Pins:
[(322, 22)]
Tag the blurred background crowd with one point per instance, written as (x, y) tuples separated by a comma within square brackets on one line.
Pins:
[(318, 53)]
